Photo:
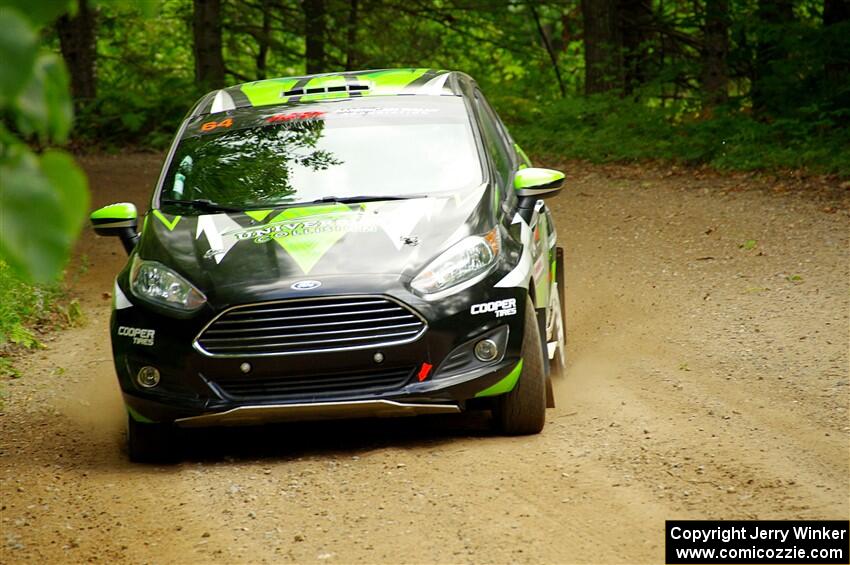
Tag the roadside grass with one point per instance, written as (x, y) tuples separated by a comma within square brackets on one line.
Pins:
[(603, 129), (26, 312)]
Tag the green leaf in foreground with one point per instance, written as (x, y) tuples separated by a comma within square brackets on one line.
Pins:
[(44, 106), (43, 201), (17, 53), (40, 12)]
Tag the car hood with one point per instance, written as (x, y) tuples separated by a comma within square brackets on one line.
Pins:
[(258, 254)]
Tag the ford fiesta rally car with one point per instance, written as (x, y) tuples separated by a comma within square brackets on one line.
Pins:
[(332, 246)]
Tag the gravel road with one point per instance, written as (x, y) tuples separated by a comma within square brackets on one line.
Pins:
[(708, 378)]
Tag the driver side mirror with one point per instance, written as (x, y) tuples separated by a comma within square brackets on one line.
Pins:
[(538, 183), (119, 220)]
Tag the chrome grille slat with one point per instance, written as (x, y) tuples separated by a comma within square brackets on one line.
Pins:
[(342, 305), (330, 332), (314, 342), (340, 323), (301, 317), (310, 325)]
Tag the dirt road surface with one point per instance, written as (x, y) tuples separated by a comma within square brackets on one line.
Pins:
[(708, 378)]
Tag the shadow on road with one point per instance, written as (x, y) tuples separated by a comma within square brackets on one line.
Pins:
[(62, 440), (331, 438)]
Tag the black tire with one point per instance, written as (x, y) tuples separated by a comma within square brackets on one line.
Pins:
[(150, 443), (522, 411)]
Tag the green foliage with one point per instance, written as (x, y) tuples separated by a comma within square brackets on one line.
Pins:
[(18, 43), (44, 108), (145, 75), (43, 197), (607, 128), (43, 200), (39, 12), (23, 306), (7, 369), (146, 83)]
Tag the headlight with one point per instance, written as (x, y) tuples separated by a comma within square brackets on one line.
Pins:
[(469, 258), (154, 282)]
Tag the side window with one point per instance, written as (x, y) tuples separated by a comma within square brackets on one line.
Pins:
[(494, 140)]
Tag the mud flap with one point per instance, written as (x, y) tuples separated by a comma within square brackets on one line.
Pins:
[(541, 322), (541, 326)]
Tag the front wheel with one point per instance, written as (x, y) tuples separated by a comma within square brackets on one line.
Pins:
[(522, 411), (150, 442)]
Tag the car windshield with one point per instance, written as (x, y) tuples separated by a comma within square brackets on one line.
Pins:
[(378, 147)]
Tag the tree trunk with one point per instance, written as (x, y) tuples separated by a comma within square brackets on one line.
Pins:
[(715, 47), (351, 44), (206, 25), (835, 11), (635, 17), (314, 35), (773, 15), (264, 39), (837, 68), (77, 43), (602, 46), (544, 38)]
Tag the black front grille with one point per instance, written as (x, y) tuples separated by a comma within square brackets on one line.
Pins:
[(369, 381), (310, 325)]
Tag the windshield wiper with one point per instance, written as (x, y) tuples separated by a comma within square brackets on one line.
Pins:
[(201, 204), (361, 198)]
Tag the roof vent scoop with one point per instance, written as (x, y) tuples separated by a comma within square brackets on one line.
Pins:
[(325, 90)]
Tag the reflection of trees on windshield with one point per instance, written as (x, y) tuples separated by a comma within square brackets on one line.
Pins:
[(249, 166)]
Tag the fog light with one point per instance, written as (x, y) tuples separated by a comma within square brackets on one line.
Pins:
[(486, 350), (148, 377)]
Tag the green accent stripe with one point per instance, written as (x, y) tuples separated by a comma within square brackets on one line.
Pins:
[(170, 224), (258, 215), (507, 384), (387, 81), (266, 92), (138, 417), (391, 80), (526, 162)]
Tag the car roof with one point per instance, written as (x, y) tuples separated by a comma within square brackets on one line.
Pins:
[(332, 86)]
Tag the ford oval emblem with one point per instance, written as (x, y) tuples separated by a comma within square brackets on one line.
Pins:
[(305, 285)]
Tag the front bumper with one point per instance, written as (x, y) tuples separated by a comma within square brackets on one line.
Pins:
[(449, 394), (190, 391)]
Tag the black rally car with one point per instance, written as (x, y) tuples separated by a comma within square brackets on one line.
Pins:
[(341, 245)]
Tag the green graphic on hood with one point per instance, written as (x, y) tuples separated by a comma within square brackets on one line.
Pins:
[(258, 215), (307, 249)]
